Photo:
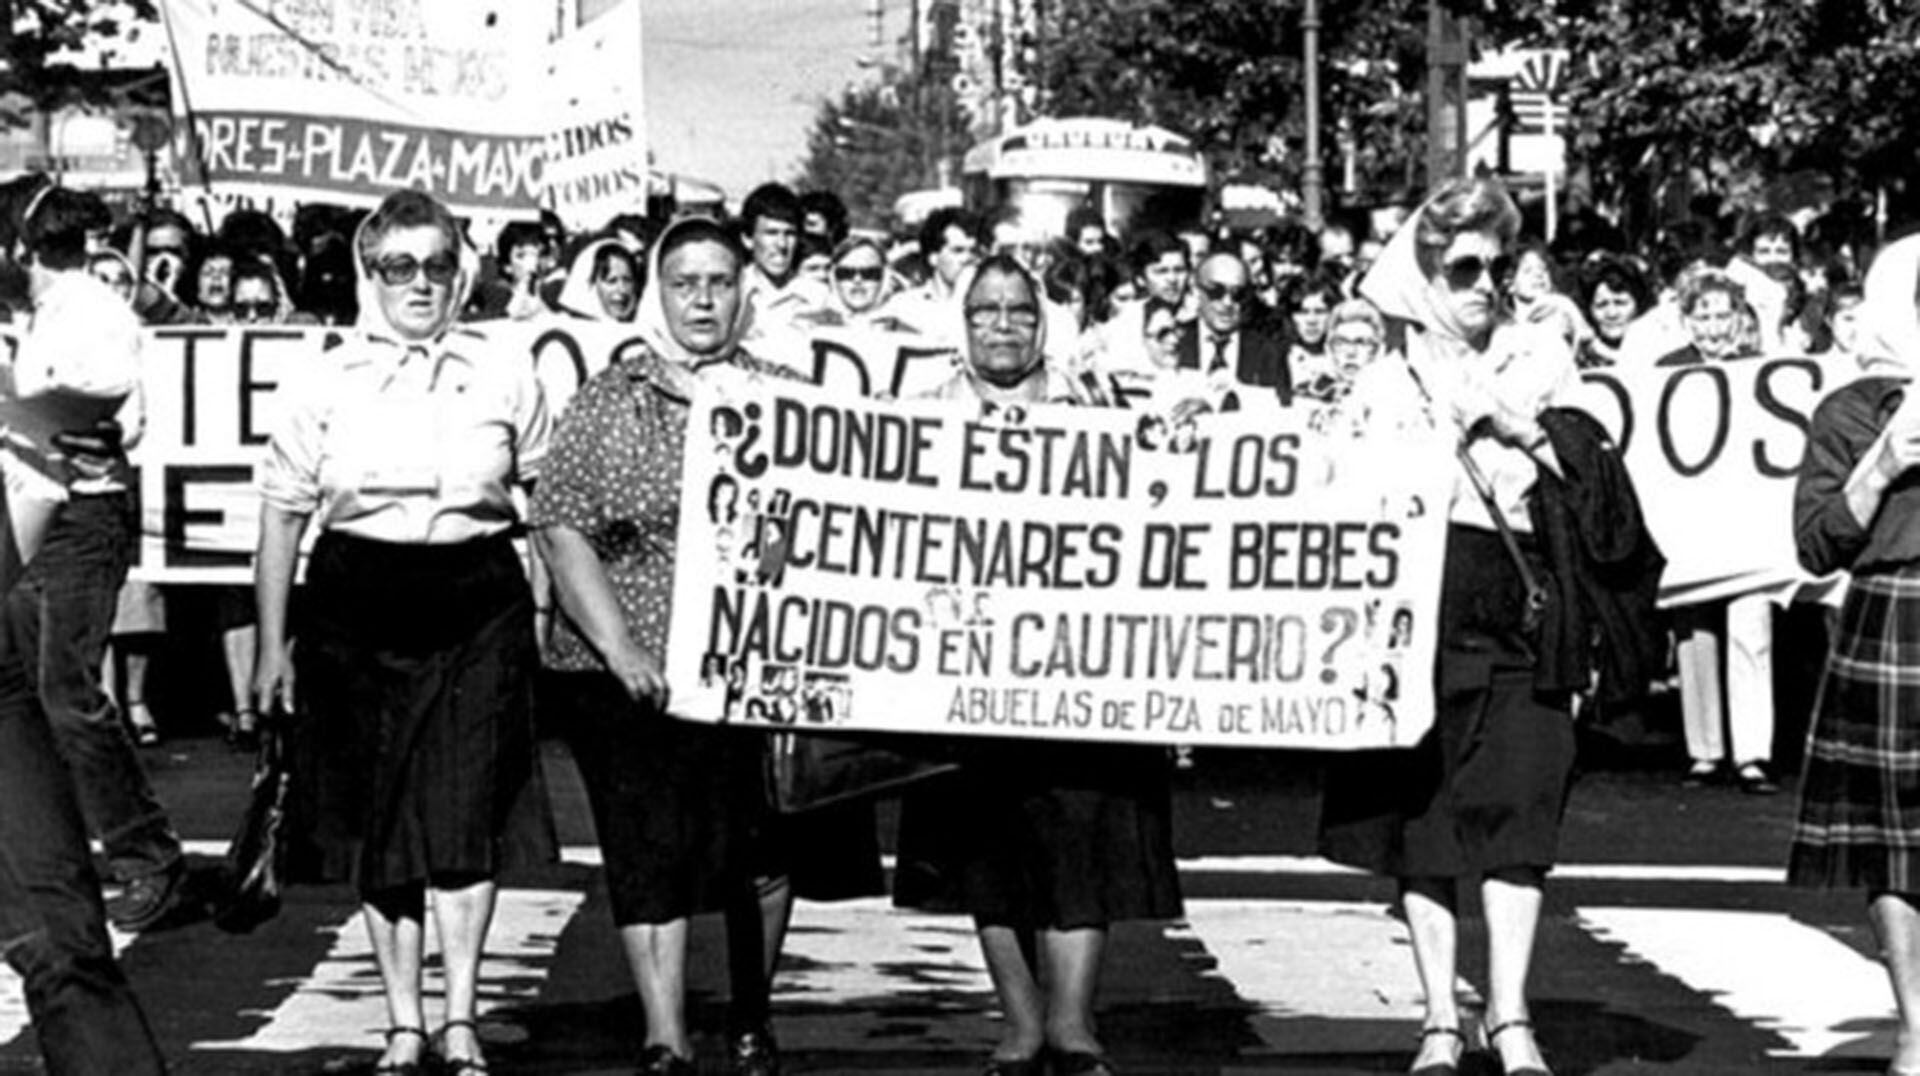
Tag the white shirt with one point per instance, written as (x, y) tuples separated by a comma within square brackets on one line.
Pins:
[(82, 338)]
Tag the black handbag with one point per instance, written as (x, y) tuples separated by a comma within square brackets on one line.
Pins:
[(810, 770), (255, 860)]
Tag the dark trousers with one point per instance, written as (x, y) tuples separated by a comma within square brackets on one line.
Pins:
[(52, 924), (59, 616)]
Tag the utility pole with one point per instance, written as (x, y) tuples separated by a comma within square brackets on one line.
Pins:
[(1447, 51), (1312, 180)]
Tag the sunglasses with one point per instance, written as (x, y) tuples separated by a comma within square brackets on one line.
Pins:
[(257, 309), (1464, 273), (852, 272), (400, 271), (1216, 292)]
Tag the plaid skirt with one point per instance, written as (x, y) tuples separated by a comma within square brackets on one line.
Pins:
[(1859, 824)]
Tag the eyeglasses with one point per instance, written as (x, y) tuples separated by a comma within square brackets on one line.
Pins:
[(1165, 333), (399, 271), (1464, 273), (1362, 340), (1217, 292), (260, 308), (859, 272), (1019, 315)]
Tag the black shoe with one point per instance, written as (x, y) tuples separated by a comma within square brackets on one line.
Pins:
[(1015, 1066), (662, 1061), (1081, 1063), (1701, 774), (148, 899), (753, 1053), (1441, 1068), (1754, 780)]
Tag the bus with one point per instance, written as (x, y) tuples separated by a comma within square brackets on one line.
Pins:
[(1136, 176)]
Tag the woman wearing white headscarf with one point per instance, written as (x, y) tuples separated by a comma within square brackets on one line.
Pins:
[(1480, 799), (1857, 508), (679, 807), (602, 283), (415, 776)]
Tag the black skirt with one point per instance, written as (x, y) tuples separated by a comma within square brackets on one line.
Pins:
[(1039, 835), (413, 753), (1486, 788)]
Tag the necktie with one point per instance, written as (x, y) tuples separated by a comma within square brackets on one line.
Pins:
[(1219, 354)]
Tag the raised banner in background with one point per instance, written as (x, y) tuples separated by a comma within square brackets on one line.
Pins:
[(212, 398), (1714, 450), (1067, 573), (346, 100)]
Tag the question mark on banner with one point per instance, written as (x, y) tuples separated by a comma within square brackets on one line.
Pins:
[(1341, 624), (1158, 491)]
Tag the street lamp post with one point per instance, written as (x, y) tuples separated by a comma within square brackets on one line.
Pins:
[(1312, 180)]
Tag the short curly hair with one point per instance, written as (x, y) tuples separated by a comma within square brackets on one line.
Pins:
[(1472, 204)]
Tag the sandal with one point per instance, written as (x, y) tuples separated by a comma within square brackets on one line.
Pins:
[(453, 1066), (1525, 1025), (244, 735), (402, 1068), (1441, 1068)]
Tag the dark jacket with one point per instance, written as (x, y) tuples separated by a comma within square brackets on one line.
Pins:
[(1604, 567), (1263, 355)]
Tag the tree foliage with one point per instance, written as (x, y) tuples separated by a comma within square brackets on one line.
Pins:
[(871, 144), (34, 34)]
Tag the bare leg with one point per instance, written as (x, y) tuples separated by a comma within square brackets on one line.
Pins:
[(1019, 993), (1072, 960), (1433, 927), (1896, 923), (657, 956), (1512, 899), (240, 646), (395, 929), (463, 915)]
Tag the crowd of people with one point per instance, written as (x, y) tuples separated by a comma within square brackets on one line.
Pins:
[(420, 449)]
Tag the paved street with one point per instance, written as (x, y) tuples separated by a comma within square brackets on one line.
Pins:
[(1670, 946)]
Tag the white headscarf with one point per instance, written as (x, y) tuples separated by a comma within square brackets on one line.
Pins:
[(651, 319), (1889, 319), (366, 288), (579, 296)]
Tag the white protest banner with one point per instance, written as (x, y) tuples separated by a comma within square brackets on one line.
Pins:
[(346, 100), (917, 567), (861, 361), (597, 161), (1713, 449), (211, 398), (212, 395)]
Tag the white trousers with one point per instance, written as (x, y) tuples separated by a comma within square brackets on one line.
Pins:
[(1741, 727)]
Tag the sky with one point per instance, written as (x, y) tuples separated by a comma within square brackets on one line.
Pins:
[(732, 85)]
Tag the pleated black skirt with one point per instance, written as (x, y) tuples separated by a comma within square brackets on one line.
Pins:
[(412, 754)]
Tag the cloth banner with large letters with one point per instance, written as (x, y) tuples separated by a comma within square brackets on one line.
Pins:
[(1714, 449), (482, 104), (1063, 573)]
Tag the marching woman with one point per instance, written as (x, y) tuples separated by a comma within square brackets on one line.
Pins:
[(1479, 800), (1855, 509), (1046, 845), (679, 806), (412, 744)]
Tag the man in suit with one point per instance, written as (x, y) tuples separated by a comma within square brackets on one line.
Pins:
[(1229, 336)]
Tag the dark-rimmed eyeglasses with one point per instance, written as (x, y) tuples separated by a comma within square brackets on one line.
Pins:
[(871, 273), (257, 309), (1019, 315), (400, 270), (1217, 292), (1464, 273)]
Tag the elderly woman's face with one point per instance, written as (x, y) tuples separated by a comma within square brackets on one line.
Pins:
[(701, 283), (857, 278), (1353, 344), (1467, 280), (413, 273), (1714, 324), (1003, 328)]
